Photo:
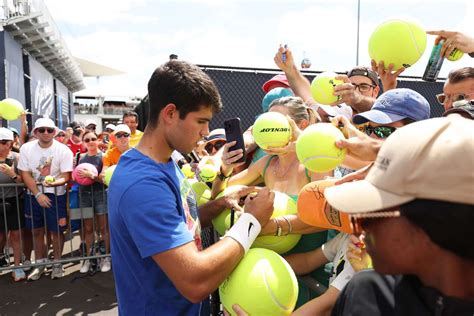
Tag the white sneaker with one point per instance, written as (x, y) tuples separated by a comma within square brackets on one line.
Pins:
[(106, 264), (57, 271), (36, 273), (86, 264)]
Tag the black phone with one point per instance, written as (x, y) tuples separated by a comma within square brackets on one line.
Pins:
[(233, 132)]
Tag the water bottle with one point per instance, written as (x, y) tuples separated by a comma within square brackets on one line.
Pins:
[(434, 63)]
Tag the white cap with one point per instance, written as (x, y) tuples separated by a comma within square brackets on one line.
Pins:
[(5, 134), (122, 128), (44, 122), (90, 122), (110, 126), (431, 159), (341, 109)]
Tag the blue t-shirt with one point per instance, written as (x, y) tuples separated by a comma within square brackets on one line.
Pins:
[(149, 214)]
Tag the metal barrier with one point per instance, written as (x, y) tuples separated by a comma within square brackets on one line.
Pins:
[(20, 231)]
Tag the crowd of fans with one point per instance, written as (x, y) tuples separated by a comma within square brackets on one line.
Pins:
[(37, 217), (150, 242)]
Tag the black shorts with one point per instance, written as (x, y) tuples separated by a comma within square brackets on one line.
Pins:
[(12, 214)]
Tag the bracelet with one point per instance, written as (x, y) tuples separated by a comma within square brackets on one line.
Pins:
[(37, 195), (278, 231), (290, 228), (14, 177), (245, 230)]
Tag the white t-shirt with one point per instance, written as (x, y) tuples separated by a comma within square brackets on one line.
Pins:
[(42, 162), (335, 251)]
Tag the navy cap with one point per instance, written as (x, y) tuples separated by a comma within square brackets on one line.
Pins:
[(396, 105)]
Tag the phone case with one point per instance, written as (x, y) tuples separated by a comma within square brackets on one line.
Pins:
[(233, 132)]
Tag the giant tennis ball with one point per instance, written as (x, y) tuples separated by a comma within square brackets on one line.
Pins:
[(322, 88), (222, 222), (84, 180), (207, 173), (282, 205), (271, 129), (263, 283), (397, 42), (316, 150), (202, 191), (455, 55), (108, 174), (11, 109)]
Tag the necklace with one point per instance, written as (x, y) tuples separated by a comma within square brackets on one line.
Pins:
[(277, 170)]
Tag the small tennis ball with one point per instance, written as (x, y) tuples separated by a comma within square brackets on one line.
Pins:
[(397, 42), (207, 173), (322, 88), (263, 283), (316, 150), (187, 171), (271, 129), (11, 109), (455, 55), (49, 179), (221, 222), (282, 205), (108, 174), (202, 191)]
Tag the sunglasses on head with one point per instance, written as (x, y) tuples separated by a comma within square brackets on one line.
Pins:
[(379, 131), (217, 145), (4, 141), (45, 129), (122, 135), (442, 98), (87, 140), (360, 222)]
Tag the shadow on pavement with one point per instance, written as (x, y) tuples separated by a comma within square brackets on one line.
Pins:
[(74, 294)]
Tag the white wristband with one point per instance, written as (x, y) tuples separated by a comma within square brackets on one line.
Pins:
[(245, 230)]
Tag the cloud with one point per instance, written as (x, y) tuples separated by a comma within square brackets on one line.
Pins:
[(87, 12)]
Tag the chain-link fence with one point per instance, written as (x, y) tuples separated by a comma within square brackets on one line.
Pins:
[(242, 94)]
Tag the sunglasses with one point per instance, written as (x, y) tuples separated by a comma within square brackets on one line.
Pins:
[(217, 145), (60, 135), (45, 129), (379, 131), (4, 141), (122, 135), (87, 140), (442, 98), (360, 222), (363, 87)]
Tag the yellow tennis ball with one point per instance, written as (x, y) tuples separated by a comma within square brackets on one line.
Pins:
[(397, 42), (271, 129), (282, 205), (322, 88), (108, 174), (221, 223), (455, 55), (49, 179), (202, 191), (316, 150), (207, 173), (11, 109), (263, 283), (187, 171)]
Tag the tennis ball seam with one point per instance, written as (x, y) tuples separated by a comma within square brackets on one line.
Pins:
[(413, 39), (269, 289)]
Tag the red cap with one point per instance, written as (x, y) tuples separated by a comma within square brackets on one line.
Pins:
[(281, 78)]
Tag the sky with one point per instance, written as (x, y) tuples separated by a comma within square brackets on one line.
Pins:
[(136, 36)]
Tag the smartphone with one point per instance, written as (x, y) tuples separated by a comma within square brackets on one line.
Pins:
[(233, 132)]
